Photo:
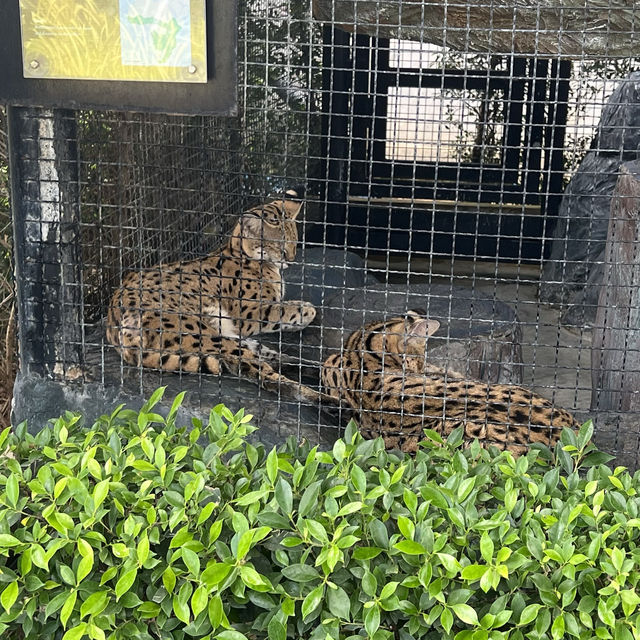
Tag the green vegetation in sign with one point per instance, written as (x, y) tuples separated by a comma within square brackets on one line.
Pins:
[(135, 528), (164, 37)]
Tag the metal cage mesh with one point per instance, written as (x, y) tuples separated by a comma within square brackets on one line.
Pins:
[(459, 159)]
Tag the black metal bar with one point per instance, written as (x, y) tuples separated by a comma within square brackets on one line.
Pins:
[(337, 80), (362, 113), (46, 221), (558, 127), (533, 160)]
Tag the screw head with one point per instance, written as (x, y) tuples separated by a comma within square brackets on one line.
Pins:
[(192, 68), (34, 64)]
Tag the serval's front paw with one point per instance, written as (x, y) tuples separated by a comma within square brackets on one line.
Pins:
[(267, 355), (298, 314)]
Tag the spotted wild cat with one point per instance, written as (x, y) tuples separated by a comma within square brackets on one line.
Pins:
[(193, 316), (383, 376)]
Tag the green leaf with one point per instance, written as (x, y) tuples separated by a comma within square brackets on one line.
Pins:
[(435, 496), (276, 630), (366, 553), (351, 507), (215, 611), (75, 633), (466, 613), (180, 603), (94, 604), (317, 531), (446, 620), (244, 544), (149, 609), (407, 528), (100, 492), (191, 561), (54, 604), (486, 547), (617, 558), (359, 479), (199, 601), (84, 568), (369, 584), (252, 496), (142, 550), (449, 562), (300, 573), (630, 601), (13, 490), (206, 512), (284, 496), (397, 474), (606, 614), (9, 595), (388, 590), (67, 608), (557, 628), (312, 601), (529, 613), (338, 602), (372, 620), (125, 582), (473, 572), (7, 541), (230, 634), (410, 547), (215, 573), (272, 465), (66, 573), (309, 498), (169, 579), (252, 578)]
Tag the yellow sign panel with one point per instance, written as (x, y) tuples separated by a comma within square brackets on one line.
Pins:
[(147, 40)]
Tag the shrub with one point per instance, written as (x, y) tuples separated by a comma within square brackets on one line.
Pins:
[(135, 528)]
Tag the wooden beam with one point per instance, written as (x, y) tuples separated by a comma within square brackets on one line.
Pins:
[(572, 28)]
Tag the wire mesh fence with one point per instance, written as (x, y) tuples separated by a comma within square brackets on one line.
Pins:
[(458, 160)]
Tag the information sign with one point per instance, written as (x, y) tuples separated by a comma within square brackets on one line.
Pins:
[(134, 40)]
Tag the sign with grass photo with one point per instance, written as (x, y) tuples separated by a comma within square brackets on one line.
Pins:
[(143, 40)]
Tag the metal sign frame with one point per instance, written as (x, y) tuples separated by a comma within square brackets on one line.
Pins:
[(218, 96)]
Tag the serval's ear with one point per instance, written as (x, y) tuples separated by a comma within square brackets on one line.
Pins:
[(424, 328), (292, 202), (248, 233)]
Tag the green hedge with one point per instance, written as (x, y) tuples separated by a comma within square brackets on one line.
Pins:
[(135, 529)]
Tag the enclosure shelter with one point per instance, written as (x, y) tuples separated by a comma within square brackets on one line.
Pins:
[(475, 161)]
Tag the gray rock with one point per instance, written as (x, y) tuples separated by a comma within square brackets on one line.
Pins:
[(319, 273), (573, 272)]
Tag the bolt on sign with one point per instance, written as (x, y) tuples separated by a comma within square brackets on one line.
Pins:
[(135, 40)]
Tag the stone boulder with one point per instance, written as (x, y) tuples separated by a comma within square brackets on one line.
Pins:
[(573, 272)]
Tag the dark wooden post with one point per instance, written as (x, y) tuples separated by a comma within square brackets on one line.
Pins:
[(46, 222), (615, 355)]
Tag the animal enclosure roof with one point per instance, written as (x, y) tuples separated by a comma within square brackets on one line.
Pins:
[(572, 28)]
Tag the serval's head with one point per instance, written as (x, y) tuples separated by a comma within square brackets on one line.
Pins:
[(268, 232), (403, 339)]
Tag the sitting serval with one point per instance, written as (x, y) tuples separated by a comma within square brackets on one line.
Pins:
[(198, 315)]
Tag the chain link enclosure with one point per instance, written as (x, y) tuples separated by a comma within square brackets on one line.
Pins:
[(460, 158)]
